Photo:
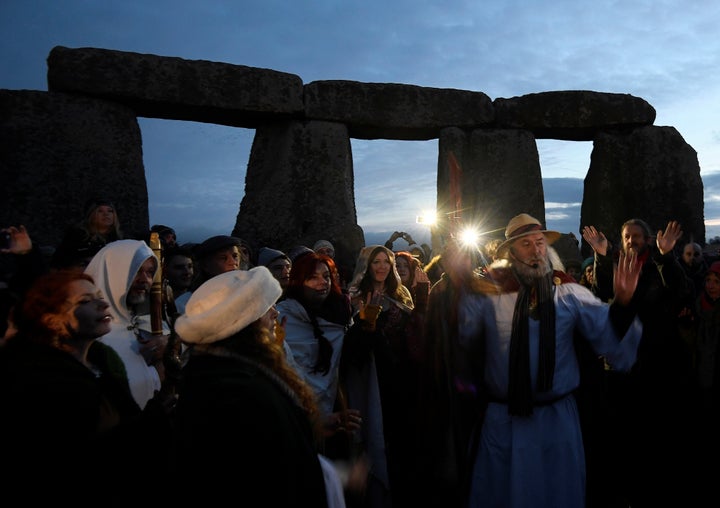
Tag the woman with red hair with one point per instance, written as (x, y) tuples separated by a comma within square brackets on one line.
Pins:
[(316, 315), (67, 411)]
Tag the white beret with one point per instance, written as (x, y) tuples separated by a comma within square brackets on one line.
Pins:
[(227, 303)]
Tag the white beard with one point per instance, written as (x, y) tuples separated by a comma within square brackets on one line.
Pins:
[(528, 274)]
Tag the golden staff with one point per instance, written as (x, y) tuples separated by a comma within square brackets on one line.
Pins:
[(156, 290)]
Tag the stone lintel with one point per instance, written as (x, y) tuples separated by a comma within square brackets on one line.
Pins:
[(395, 111), (177, 89), (572, 115)]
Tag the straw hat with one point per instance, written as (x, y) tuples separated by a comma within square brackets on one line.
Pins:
[(523, 225)]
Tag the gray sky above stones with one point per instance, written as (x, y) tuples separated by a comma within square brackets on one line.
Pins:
[(664, 51)]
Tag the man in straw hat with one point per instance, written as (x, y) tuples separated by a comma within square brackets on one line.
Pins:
[(520, 322)]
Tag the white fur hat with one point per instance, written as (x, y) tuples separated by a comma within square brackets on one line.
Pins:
[(227, 303)]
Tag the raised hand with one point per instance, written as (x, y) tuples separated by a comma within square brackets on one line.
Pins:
[(625, 277), (666, 240), (596, 239), (346, 421), (20, 242), (152, 346), (362, 305)]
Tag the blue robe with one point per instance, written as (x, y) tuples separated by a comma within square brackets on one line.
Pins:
[(537, 461)]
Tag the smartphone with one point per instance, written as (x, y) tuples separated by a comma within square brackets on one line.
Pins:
[(5, 239)]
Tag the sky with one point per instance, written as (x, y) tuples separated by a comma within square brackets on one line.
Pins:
[(664, 51)]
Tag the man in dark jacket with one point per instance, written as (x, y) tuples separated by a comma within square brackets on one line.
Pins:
[(653, 399)]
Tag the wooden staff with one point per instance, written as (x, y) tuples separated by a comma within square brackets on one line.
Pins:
[(156, 290)]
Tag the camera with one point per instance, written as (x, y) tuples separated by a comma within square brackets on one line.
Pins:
[(5, 239)]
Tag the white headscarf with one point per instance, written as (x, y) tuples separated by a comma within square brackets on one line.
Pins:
[(114, 269)]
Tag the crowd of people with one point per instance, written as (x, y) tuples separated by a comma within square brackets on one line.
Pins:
[(481, 376)]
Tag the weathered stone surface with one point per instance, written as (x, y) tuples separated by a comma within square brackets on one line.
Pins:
[(650, 174), (178, 89), (501, 177), (395, 111), (299, 189), (58, 150), (573, 115)]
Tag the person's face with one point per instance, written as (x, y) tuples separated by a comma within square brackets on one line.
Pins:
[(267, 321), (633, 238), (457, 261), (589, 274), (179, 272), (103, 217), (326, 251), (531, 252), (403, 270), (280, 269), (244, 257), (712, 285), (222, 261), (691, 254), (169, 239), (88, 315), (380, 267), (140, 287), (316, 288)]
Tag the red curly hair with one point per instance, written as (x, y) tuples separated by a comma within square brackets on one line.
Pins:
[(47, 295)]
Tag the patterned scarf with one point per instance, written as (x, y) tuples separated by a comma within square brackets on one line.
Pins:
[(536, 301)]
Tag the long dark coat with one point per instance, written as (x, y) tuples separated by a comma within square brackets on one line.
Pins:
[(242, 439), (62, 426)]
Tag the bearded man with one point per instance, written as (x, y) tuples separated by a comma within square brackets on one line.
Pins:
[(522, 318), (123, 270), (655, 397)]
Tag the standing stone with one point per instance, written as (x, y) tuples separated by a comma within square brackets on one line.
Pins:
[(58, 150), (650, 173), (299, 188), (501, 178), (82, 140)]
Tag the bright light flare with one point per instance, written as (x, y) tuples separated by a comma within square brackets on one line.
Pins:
[(469, 237), (426, 217)]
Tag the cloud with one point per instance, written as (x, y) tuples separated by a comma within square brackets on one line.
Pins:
[(667, 53)]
